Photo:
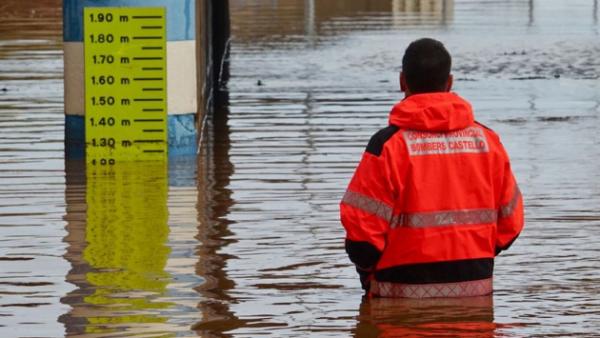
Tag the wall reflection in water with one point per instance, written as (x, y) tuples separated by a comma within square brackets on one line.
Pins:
[(422, 12), (451, 317), (284, 19), (214, 234), (37, 20), (117, 231)]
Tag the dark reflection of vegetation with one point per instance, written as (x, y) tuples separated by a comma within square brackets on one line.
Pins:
[(450, 317), (117, 231)]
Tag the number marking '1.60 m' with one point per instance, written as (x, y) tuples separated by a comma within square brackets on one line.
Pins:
[(125, 84)]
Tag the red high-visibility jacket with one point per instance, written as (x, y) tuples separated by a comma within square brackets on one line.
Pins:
[(432, 202)]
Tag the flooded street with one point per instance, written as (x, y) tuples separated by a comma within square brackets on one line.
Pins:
[(245, 241)]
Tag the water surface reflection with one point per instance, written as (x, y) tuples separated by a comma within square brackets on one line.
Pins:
[(467, 317), (117, 245)]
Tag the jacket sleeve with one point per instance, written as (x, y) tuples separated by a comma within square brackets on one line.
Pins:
[(366, 209), (510, 213)]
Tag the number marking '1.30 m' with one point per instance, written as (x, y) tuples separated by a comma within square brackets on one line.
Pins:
[(125, 84)]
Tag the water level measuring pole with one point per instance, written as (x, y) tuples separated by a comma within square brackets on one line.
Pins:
[(180, 82), (125, 84)]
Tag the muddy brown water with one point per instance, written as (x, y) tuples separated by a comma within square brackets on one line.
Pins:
[(245, 241)]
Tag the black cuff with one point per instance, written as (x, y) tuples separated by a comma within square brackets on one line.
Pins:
[(363, 254), (364, 275)]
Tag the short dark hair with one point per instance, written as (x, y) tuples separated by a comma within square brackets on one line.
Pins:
[(426, 66)]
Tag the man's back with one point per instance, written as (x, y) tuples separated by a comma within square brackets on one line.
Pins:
[(432, 202)]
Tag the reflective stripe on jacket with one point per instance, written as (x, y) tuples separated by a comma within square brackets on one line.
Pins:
[(433, 200)]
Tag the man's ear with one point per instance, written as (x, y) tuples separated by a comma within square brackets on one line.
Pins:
[(403, 86), (449, 83)]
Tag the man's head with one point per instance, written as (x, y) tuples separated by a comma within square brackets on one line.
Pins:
[(426, 68)]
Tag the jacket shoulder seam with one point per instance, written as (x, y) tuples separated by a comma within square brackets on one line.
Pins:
[(377, 142)]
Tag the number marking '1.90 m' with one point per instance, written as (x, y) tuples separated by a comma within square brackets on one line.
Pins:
[(125, 84)]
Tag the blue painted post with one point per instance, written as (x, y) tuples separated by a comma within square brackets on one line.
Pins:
[(181, 72)]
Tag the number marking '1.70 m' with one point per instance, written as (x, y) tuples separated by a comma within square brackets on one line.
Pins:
[(125, 84)]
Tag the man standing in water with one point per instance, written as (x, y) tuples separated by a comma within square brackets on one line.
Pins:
[(433, 200)]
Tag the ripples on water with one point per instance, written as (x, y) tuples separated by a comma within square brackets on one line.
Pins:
[(246, 241), (31, 172)]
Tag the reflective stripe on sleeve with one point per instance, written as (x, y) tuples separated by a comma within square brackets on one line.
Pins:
[(460, 289), (447, 217), (509, 208), (368, 205)]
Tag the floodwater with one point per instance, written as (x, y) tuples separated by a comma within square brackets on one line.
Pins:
[(245, 241)]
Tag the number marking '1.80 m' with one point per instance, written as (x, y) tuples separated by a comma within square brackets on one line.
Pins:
[(125, 66)]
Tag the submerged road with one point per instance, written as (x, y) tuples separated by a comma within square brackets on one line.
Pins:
[(246, 241)]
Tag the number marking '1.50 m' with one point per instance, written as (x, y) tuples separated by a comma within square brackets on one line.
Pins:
[(125, 84)]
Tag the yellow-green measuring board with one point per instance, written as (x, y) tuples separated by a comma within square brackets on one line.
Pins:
[(125, 84)]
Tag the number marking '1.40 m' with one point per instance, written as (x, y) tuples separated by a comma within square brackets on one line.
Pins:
[(125, 84)]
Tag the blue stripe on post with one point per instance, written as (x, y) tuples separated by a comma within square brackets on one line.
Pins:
[(180, 16), (74, 137), (182, 135)]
